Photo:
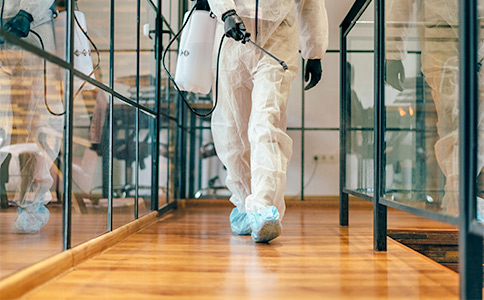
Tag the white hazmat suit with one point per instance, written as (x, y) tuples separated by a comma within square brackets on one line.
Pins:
[(249, 124), (438, 22)]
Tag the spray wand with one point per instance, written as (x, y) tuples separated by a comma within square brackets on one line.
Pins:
[(248, 40)]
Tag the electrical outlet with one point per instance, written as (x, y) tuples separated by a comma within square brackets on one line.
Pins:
[(327, 158)]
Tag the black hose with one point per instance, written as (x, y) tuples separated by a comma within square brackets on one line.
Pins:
[(96, 67), (45, 77), (45, 68)]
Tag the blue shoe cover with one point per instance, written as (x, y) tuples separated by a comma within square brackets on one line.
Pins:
[(30, 219), (239, 222), (266, 226), (480, 217)]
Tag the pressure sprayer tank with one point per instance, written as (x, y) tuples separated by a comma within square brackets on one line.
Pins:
[(194, 64)]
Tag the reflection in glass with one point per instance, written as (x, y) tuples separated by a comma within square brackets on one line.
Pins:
[(164, 165), (146, 134), (124, 163), (166, 180), (90, 143), (360, 97), (147, 66), (96, 13), (125, 28), (32, 120), (422, 72), (31, 134)]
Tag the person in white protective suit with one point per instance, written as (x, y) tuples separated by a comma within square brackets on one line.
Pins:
[(249, 125), (438, 35), (29, 132)]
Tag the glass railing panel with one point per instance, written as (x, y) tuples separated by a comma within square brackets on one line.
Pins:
[(92, 42), (360, 100), (422, 120), (124, 163), (166, 180), (147, 130), (89, 154), (125, 35), (31, 139), (147, 68)]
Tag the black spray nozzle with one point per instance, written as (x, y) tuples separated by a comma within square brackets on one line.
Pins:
[(248, 40)]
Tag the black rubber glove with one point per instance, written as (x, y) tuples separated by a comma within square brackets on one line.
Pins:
[(202, 5), (20, 24), (313, 70), (234, 26), (395, 74)]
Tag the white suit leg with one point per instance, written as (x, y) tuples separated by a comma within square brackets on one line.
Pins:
[(230, 121), (442, 75), (271, 147)]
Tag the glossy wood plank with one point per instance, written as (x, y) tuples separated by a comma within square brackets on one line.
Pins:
[(18, 251), (21, 282), (192, 254)]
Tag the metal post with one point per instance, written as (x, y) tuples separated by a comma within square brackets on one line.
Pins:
[(470, 245), (421, 170), (137, 126), (182, 151), (68, 100), (155, 138), (343, 197), (302, 128), (200, 163), (191, 171), (379, 211), (111, 122)]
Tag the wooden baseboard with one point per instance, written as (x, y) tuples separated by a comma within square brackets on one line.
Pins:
[(291, 201), (24, 281)]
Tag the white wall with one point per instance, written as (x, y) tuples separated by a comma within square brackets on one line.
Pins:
[(321, 110)]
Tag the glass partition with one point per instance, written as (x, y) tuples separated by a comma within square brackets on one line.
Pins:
[(125, 45), (90, 137), (422, 105), (97, 42), (360, 99), (167, 163), (124, 153), (108, 170), (428, 107), (147, 126), (31, 134), (147, 65)]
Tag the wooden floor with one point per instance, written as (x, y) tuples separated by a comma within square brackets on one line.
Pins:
[(191, 254), (18, 251)]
